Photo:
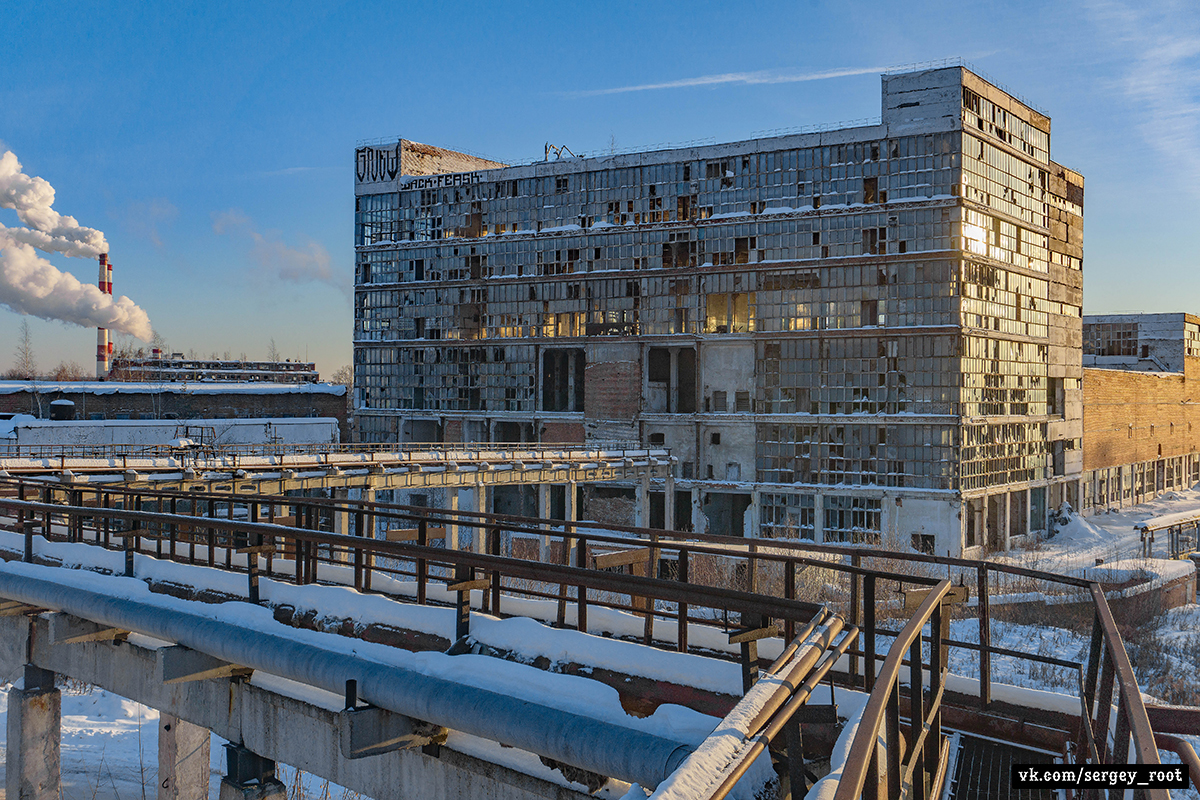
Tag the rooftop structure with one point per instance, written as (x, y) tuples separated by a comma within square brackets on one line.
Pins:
[(178, 369), (118, 400), (1143, 342), (867, 334)]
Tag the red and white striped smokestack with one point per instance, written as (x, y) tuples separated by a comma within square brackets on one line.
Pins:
[(103, 348)]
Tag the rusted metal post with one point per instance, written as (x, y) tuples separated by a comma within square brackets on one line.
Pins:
[(789, 593), (651, 572), (893, 742), (916, 713), (855, 599), (581, 590), (682, 629), (868, 631), (358, 550), (422, 540), (985, 636), (1104, 706)]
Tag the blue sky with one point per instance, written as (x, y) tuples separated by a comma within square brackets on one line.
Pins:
[(213, 142)]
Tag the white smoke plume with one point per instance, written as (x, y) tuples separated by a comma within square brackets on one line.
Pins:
[(29, 284)]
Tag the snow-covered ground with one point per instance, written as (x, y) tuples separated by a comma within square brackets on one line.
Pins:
[(1107, 535)]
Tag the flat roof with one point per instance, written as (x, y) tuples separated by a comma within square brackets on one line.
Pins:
[(190, 387)]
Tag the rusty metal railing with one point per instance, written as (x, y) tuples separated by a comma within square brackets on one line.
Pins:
[(1124, 736), (915, 763)]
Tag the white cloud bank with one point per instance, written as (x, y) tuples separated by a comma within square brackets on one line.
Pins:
[(29, 284)]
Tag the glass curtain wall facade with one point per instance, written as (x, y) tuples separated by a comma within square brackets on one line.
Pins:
[(872, 333)]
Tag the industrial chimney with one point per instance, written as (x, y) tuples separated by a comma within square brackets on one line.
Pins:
[(103, 346)]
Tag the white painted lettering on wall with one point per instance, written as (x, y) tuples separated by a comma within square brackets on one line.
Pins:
[(376, 164), (439, 181)]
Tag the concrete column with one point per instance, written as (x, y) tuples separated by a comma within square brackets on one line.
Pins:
[(669, 501), (673, 389), (481, 507), (571, 514), (571, 380), (34, 730), (543, 500), (182, 759), (1005, 503), (452, 506), (755, 513), (818, 517), (642, 510), (699, 523), (341, 518)]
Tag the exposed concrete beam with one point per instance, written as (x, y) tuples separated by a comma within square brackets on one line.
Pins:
[(68, 629), (370, 731), (179, 664)]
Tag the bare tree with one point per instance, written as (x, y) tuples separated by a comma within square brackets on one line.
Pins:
[(345, 376), (272, 351), (68, 371), (24, 362)]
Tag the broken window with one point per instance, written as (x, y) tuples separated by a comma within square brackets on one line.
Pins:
[(870, 312), (729, 312), (874, 241), (852, 519), (718, 404), (870, 190), (562, 380)]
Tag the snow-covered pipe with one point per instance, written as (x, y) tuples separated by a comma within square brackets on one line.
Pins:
[(583, 742)]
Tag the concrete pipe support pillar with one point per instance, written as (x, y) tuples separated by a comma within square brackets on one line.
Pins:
[(183, 750), (34, 729), (642, 514), (249, 776)]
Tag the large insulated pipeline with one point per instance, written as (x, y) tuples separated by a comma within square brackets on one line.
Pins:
[(590, 744)]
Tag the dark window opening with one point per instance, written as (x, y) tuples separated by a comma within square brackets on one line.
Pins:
[(562, 380), (870, 190)]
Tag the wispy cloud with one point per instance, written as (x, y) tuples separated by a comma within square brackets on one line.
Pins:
[(143, 219), (1160, 43), (309, 263), (743, 78), (275, 173)]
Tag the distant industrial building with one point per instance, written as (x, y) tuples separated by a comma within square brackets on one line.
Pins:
[(116, 400), (22, 431), (177, 369), (868, 334), (1141, 407)]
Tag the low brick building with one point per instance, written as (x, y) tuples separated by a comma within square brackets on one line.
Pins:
[(202, 400), (1141, 407)]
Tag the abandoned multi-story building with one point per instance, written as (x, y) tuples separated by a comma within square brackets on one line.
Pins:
[(863, 334)]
